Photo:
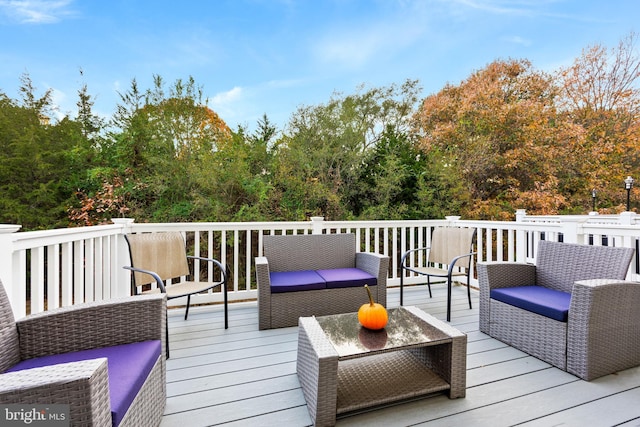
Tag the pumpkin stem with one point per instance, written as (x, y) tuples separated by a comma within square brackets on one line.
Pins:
[(371, 302)]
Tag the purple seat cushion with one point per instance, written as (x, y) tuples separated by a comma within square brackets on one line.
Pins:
[(291, 281), (129, 366), (537, 299), (347, 277)]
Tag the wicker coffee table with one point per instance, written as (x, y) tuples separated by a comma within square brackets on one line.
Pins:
[(345, 368)]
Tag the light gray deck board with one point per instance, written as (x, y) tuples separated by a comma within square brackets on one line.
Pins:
[(245, 377)]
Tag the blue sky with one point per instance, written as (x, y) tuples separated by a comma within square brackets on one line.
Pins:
[(255, 57)]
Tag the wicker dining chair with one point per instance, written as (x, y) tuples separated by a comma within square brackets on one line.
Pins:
[(449, 255)]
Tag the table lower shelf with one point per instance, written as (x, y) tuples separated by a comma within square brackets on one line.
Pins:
[(382, 379)]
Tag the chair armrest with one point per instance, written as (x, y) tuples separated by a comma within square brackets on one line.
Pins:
[(493, 275), (153, 274), (91, 325), (505, 274), (377, 265), (603, 327), (409, 252), (217, 263), (263, 282), (262, 272), (455, 260), (83, 385)]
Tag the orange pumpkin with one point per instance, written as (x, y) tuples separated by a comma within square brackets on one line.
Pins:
[(373, 315)]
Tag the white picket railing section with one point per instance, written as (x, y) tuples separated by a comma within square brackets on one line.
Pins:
[(42, 270)]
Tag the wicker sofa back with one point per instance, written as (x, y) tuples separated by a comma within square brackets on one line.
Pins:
[(326, 254), (310, 251), (10, 349)]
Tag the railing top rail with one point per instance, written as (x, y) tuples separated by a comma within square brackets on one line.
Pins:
[(30, 239)]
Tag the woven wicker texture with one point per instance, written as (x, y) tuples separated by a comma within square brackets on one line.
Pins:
[(84, 385), (537, 335), (332, 385), (313, 252), (97, 324), (317, 368), (383, 379), (9, 347), (148, 406), (310, 251), (602, 334), (560, 265), (604, 328)]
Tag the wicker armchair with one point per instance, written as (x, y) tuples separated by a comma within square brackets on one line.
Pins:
[(573, 309), (450, 255), (103, 359)]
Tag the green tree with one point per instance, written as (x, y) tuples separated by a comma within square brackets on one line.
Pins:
[(151, 165), (320, 157), (40, 161)]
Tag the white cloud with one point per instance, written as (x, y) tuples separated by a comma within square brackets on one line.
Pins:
[(224, 98), (518, 40), (36, 11), (355, 48), (61, 104), (228, 104)]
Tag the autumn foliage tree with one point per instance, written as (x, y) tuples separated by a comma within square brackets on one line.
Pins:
[(507, 137), (495, 132), (518, 138), (600, 94)]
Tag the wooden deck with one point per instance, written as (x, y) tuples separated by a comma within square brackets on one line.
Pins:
[(245, 377)]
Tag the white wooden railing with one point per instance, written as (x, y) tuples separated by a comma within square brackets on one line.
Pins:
[(42, 270)]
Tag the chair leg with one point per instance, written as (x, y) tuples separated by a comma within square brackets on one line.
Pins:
[(449, 299), (469, 289), (166, 333), (401, 285), (226, 314), (429, 286), (186, 313)]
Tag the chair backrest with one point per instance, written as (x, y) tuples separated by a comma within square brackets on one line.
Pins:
[(450, 242), (559, 265), (310, 251), (10, 348), (163, 253)]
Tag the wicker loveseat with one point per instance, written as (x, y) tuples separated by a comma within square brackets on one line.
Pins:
[(315, 274), (573, 309), (104, 359)]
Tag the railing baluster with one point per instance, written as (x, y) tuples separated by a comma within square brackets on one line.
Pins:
[(84, 264)]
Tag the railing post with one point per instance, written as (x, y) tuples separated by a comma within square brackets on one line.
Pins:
[(570, 231), (122, 277), (452, 219), (317, 224), (9, 265), (521, 237), (627, 218)]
